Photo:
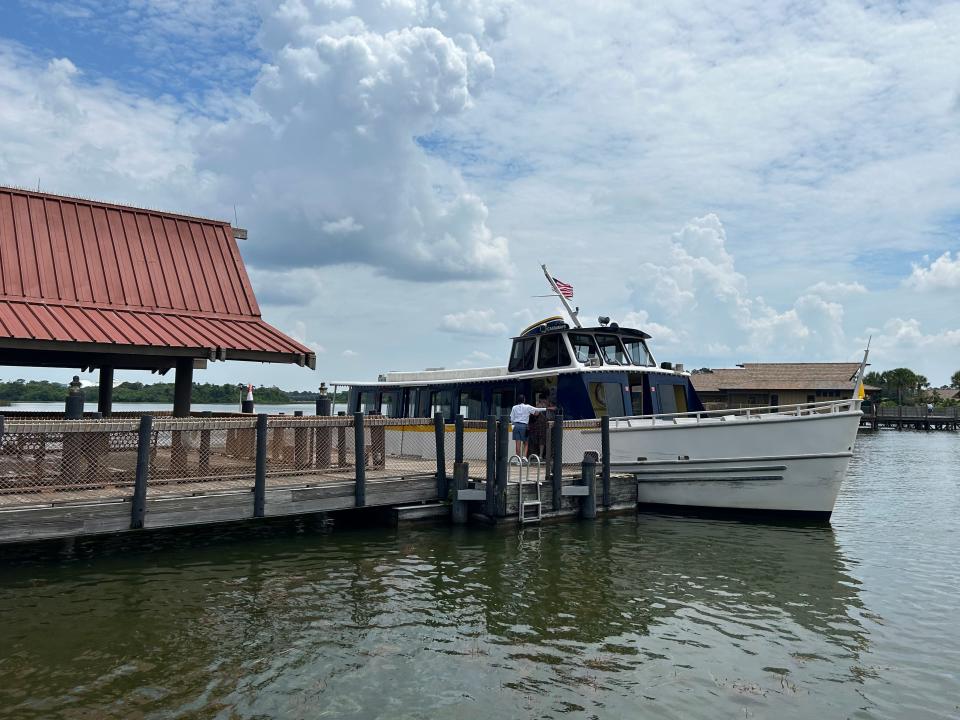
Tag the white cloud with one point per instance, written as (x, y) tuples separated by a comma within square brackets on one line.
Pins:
[(708, 301), (476, 358), (300, 333), (473, 322), (334, 116), (836, 289), (660, 334), (298, 286), (349, 353), (942, 274)]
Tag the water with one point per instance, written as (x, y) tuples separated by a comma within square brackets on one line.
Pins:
[(637, 616)]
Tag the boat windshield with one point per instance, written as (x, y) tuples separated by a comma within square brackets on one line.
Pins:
[(584, 348), (638, 352), (613, 352)]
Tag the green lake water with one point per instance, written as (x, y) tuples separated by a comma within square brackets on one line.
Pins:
[(634, 616)]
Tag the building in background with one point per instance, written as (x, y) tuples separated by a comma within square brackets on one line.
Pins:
[(776, 384)]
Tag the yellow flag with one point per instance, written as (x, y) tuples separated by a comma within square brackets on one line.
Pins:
[(860, 392)]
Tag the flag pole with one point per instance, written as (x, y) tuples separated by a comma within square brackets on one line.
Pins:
[(858, 391), (556, 290)]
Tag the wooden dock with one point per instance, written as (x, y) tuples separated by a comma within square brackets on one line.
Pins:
[(72, 478), (912, 417)]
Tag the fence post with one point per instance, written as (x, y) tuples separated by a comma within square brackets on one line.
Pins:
[(557, 468), (260, 476), (503, 457), (341, 446), (438, 432), (360, 463), (491, 507), (605, 458), (459, 510), (588, 505), (138, 507), (458, 439), (204, 462), (301, 445)]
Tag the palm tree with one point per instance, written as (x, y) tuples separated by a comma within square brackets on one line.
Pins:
[(955, 380), (898, 379)]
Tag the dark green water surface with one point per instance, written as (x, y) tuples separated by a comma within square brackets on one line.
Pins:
[(637, 616)]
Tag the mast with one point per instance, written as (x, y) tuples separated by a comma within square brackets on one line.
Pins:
[(858, 392), (553, 285)]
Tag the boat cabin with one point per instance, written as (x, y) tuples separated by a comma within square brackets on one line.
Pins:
[(584, 372)]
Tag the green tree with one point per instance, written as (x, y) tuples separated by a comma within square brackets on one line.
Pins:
[(897, 380), (955, 380)]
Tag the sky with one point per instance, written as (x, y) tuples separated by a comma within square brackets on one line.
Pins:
[(746, 181)]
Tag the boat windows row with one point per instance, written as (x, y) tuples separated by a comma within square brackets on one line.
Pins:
[(592, 349)]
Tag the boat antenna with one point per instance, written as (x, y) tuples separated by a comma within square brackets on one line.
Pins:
[(566, 306), (858, 392)]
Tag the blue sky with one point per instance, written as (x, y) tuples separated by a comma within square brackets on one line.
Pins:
[(747, 183)]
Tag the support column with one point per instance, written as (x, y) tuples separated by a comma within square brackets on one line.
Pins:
[(183, 387), (105, 395)]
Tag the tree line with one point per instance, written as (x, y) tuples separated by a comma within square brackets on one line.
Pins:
[(45, 391), (903, 386)]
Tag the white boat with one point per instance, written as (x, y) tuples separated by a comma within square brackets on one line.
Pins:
[(778, 459)]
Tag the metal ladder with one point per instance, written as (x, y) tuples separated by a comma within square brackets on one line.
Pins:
[(523, 466)]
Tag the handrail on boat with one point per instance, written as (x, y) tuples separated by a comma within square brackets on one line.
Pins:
[(796, 410)]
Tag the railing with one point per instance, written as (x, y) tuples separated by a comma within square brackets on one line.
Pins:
[(767, 411)]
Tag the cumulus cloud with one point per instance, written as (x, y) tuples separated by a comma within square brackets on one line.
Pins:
[(299, 286), (836, 289), (707, 299), (476, 358), (473, 322), (661, 334), (941, 274), (324, 158)]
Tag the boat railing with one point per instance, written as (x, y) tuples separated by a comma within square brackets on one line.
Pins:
[(824, 407)]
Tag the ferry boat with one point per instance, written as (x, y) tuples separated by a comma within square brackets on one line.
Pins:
[(779, 459)]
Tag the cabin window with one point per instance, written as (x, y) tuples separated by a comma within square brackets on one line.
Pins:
[(636, 393), (613, 352), (584, 348), (441, 401), (668, 401), (413, 400), (368, 402), (680, 398), (638, 352), (522, 356), (390, 404), (553, 352), (471, 404), (502, 401), (606, 398)]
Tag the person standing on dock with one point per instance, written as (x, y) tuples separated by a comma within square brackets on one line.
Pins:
[(519, 418)]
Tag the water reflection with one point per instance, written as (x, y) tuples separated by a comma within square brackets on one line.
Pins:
[(607, 614)]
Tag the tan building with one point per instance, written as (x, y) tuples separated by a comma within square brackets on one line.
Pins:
[(775, 384)]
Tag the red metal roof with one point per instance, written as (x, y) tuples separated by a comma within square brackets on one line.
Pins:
[(79, 271)]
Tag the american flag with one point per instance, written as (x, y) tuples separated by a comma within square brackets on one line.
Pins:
[(565, 289)]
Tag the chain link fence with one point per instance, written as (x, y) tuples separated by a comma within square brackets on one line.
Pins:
[(579, 438), (43, 461)]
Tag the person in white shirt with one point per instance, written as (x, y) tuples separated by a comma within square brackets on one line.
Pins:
[(519, 417)]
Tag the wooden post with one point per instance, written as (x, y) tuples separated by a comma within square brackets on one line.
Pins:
[(899, 417), (342, 446), (490, 507), (605, 458), (503, 457), (557, 478), (138, 506), (260, 476), (105, 391), (588, 504), (458, 439), (301, 450), (323, 446), (204, 464), (359, 460), (438, 433), (459, 508), (182, 387)]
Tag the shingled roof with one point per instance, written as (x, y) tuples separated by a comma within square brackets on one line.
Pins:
[(80, 276), (778, 376)]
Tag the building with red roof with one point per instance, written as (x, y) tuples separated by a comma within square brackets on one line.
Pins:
[(86, 284)]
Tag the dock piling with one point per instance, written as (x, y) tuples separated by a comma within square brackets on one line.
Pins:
[(491, 506), (360, 460), (438, 432), (459, 507), (138, 506), (503, 455), (588, 504), (458, 440), (260, 472), (605, 458), (557, 465)]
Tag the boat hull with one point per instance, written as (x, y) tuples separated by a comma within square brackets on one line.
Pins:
[(770, 464)]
